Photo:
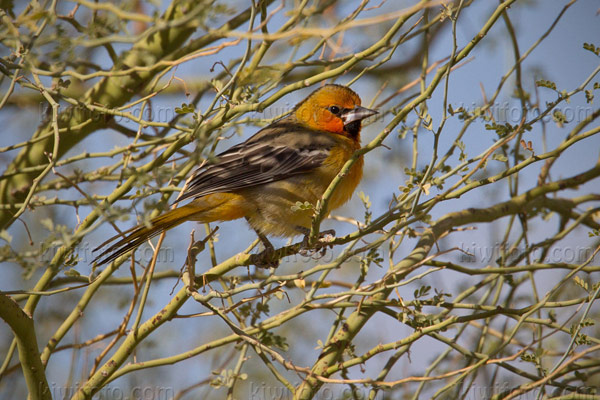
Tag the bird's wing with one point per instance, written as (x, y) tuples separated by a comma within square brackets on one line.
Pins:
[(254, 163)]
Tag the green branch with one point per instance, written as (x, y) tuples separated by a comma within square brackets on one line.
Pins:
[(354, 323), (110, 92), (24, 330)]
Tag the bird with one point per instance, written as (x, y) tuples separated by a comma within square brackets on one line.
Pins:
[(291, 160)]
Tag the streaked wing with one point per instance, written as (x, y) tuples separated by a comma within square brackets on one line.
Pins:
[(251, 164)]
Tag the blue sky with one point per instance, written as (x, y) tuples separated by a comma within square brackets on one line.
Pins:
[(561, 58)]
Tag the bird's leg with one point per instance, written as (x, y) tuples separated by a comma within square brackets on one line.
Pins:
[(266, 254)]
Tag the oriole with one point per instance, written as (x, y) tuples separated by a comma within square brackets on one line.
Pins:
[(292, 160)]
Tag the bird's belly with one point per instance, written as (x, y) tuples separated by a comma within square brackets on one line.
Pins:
[(283, 206), (277, 208)]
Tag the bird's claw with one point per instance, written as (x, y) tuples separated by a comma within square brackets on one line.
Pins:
[(324, 241), (265, 259)]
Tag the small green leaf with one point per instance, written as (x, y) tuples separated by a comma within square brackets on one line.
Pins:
[(422, 291), (545, 83), (588, 322), (582, 339), (185, 108), (72, 272), (528, 357), (365, 199), (501, 130), (592, 48), (499, 157), (559, 118), (581, 283), (299, 206)]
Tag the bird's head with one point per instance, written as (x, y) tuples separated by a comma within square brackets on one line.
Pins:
[(335, 109)]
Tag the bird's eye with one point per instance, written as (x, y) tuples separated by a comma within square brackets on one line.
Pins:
[(334, 110)]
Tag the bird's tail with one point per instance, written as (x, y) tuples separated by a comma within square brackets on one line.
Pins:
[(134, 237)]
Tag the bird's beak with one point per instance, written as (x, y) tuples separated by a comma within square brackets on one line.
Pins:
[(358, 113)]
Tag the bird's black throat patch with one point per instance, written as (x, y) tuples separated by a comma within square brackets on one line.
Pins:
[(353, 128)]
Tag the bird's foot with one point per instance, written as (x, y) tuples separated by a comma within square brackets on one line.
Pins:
[(267, 257), (324, 241)]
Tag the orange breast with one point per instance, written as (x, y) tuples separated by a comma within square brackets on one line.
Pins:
[(334, 163)]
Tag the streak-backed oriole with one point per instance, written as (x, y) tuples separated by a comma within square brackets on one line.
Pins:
[(292, 160)]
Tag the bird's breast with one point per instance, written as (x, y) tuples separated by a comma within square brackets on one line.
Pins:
[(334, 163), (279, 206)]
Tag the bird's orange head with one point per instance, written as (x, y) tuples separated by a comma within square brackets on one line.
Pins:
[(335, 109)]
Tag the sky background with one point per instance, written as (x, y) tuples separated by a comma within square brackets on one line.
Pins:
[(560, 58)]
